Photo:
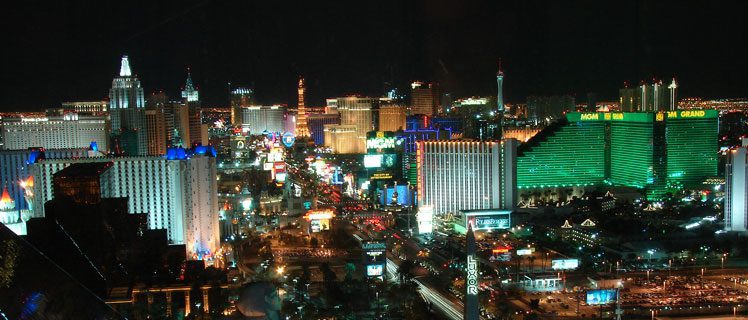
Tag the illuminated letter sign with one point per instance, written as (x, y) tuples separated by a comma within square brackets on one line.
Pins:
[(693, 114), (590, 116), (472, 275), (380, 143)]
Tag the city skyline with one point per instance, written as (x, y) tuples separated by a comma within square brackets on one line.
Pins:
[(555, 48)]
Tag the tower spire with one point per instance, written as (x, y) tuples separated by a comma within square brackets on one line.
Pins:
[(301, 120), (500, 99), (188, 85), (124, 69), (189, 91)]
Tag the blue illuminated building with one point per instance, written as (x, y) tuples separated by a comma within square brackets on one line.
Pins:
[(410, 137), (420, 122), (317, 122), (182, 153)]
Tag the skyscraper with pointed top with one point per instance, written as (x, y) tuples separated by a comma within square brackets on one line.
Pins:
[(126, 91), (189, 93), (127, 110), (196, 132), (302, 130)]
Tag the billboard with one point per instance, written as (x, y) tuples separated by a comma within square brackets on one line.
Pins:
[(488, 219), (564, 264), (425, 218), (374, 257), (404, 195), (601, 296), (319, 219), (279, 171), (374, 270), (524, 252), (373, 160), (380, 160)]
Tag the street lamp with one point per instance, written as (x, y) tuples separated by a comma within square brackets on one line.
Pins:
[(647, 274), (669, 266), (722, 259), (617, 263)]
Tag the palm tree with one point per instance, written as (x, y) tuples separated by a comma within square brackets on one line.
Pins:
[(531, 258), (403, 271)]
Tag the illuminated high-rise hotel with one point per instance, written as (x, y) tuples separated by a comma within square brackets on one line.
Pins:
[(126, 92), (126, 109), (424, 98), (356, 113), (673, 95), (654, 151), (736, 198), (466, 175), (302, 130), (197, 132), (649, 97), (189, 93), (240, 98), (178, 191)]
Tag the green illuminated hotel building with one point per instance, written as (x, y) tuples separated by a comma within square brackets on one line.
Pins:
[(655, 151)]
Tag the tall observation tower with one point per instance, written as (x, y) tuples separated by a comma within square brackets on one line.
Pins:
[(500, 98), (302, 130)]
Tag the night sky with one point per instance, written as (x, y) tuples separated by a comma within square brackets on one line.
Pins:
[(66, 50)]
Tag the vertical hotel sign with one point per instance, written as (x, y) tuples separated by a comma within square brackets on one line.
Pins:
[(472, 275)]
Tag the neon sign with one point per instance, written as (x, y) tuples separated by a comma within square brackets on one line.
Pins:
[(590, 116), (472, 275), (381, 143)]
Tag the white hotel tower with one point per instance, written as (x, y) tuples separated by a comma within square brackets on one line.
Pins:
[(456, 175), (736, 195), (178, 192)]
